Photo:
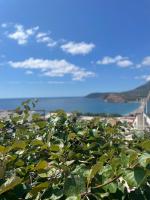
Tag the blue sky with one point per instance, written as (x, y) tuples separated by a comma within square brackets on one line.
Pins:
[(73, 47)]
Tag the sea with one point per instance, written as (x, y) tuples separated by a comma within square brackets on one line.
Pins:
[(71, 104)]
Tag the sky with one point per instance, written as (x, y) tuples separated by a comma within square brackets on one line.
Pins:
[(56, 48)]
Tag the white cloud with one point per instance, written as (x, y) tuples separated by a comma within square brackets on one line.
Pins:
[(118, 60), (124, 63), (109, 60), (144, 77), (77, 48), (21, 35), (146, 61), (45, 38), (29, 72), (53, 68)]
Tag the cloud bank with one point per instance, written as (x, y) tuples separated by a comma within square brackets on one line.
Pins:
[(53, 68), (118, 60), (45, 38), (22, 35), (77, 48)]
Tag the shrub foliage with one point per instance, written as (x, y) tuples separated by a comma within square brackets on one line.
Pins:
[(66, 158)]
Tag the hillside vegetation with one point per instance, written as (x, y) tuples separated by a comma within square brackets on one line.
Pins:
[(64, 158), (132, 95)]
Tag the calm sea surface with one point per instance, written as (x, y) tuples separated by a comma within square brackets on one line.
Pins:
[(70, 104)]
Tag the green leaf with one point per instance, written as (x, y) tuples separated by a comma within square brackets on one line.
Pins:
[(81, 170), (129, 177), (10, 184), (37, 142), (53, 193), (146, 145), (39, 188), (94, 170), (41, 165), (134, 178), (36, 116), (54, 148), (74, 198), (2, 149), (70, 162), (143, 159), (124, 159), (41, 124), (139, 174), (74, 186), (57, 194), (19, 163), (2, 125), (19, 145), (115, 163), (133, 156), (112, 187)]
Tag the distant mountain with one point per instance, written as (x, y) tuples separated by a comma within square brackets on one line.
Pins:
[(127, 96)]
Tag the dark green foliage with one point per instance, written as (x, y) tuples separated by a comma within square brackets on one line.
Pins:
[(66, 158)]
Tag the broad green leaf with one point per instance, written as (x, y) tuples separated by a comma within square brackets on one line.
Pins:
[(79, 169), (124, 159), (41, 124), (10, 184), (19, 145), (74, 186), (37, 142), (130, 178), (19, 163), (39, 188), (49, 173), (115, 162), (36, 116), (112, 187), (94, 170), (74, 198), (139, 174), (143, 159), (2, 149), (2, 125), (57, 194), (54, 148), (70, 162), (133, 156), (41, 165), (107, 171), (146, 145)]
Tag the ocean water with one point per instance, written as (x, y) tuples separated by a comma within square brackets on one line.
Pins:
[(70, 104)]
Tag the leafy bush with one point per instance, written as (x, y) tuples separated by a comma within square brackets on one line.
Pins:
[(66, 158)]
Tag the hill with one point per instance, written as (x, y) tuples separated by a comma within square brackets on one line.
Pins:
[(127, 96)]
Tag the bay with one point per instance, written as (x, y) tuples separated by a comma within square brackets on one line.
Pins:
[(70, 104)]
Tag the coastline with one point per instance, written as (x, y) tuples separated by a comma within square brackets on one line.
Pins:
[(83, 115), (138, 110)]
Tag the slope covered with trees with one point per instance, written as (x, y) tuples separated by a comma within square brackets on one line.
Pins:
[(132, 95)]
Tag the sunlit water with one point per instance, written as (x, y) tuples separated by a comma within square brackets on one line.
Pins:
[(70, 104)]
